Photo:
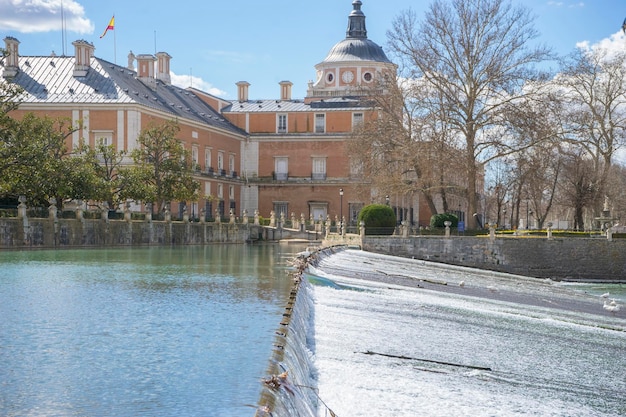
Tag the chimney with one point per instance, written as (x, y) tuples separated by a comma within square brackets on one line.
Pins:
[(12, 65), (83, 51), (285, 90), (163, 67), (242, 90), (145, 69)]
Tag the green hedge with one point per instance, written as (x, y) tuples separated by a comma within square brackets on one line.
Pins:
[(379, 219), (437, 220)]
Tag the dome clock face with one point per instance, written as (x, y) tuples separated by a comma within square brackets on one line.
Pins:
[(347, 77)]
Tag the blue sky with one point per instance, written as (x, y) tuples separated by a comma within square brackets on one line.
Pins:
[(215, 44)]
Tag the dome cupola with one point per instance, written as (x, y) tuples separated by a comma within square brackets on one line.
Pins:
[(351, 64)]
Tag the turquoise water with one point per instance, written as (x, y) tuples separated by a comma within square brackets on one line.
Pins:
[(132, 332)]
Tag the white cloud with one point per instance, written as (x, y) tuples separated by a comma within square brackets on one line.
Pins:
[(616, 43), (184, 81), (28, 16), (569, 5)]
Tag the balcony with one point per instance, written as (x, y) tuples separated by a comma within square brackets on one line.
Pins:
[(208, 171)]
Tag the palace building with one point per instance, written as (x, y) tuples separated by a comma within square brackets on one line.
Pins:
[(285, 154)]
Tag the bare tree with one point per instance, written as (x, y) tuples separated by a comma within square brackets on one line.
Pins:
[(404, 149), (476, 55), (577, 187), (594, 85)]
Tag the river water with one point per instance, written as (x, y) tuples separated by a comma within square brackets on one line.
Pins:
[(189, 332), (139, 332)]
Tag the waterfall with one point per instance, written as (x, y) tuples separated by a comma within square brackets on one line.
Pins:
[(290, 388)]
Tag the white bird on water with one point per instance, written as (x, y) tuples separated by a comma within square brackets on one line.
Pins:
[(605, 295), (612, 306)]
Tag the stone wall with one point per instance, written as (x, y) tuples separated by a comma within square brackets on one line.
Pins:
[(581, 259), (18, 233)]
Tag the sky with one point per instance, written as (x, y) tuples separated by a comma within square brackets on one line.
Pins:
[(216, 44)]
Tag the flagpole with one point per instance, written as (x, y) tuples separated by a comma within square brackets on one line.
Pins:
[(114, 46)]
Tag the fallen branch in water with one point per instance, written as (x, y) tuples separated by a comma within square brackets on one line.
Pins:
[(481, 368), (430, 281)]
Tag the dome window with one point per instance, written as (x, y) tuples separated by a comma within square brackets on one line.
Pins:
[(330, 78), (367, 77)]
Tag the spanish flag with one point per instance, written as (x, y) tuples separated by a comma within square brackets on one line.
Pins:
[(110, 27)]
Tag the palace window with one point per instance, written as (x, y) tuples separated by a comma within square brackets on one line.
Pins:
[(282, 123), (281, 168), (319, 168), (207, 158), (320, 123)]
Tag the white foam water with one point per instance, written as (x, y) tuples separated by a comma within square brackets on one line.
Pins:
[(460, 342)]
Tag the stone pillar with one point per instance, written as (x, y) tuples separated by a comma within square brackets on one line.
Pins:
[(104, 213), (21, 208), (22, 214), (447, 224), (362, 229), (272, 219), (79, 210), (52, 209), (549, 230), (127, 214), (405, 228), (327, 225), (149, 212), (167, 214)]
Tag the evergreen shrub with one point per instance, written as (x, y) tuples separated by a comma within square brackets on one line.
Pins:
[(437, 220), (379, 219)]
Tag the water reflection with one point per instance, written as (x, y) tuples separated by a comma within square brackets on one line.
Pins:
[(156, 331)]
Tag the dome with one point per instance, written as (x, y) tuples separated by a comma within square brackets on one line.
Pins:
[(351, 49), (356, 46)]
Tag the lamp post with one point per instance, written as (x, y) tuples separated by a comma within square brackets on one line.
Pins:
[(528, 214), (340, 210)]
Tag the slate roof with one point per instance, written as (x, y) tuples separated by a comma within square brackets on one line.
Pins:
[(50, 80), (290, 106)]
